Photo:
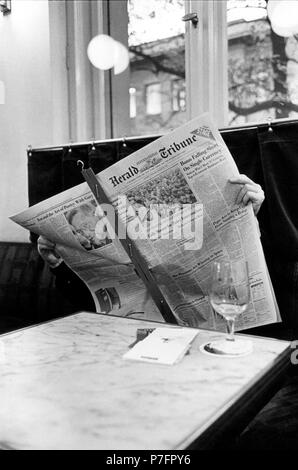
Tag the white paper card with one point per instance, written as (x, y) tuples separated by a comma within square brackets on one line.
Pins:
[(163, 346)]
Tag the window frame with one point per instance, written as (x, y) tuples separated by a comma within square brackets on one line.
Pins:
[(206, 64), (206, 53), (98, 101)]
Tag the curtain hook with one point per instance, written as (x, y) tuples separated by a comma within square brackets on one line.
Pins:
[(269, 124), (81, 164), (29, 150), (69, 148), (124, 144), (93, 146)]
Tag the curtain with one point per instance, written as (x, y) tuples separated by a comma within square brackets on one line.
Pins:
[(279, 158)]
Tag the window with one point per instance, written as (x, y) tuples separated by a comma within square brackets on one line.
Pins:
[(163, 49), (233, 66), (156, 38), (132, 102), (262, 66), (153, 99), (178, 95)]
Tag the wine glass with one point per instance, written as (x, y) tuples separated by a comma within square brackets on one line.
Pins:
[(229, 295)]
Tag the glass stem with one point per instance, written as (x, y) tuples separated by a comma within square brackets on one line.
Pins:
[(230, 330)]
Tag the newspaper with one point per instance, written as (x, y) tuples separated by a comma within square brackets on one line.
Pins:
[(176, 204)]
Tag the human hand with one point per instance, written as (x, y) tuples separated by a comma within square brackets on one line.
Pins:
[(249, 192), (47, 250)]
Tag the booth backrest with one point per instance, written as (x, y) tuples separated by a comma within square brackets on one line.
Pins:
[(27, 291)]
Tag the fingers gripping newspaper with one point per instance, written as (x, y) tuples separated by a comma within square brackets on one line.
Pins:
[(177, 206)]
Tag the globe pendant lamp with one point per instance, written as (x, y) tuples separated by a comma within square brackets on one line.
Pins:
[(283, 16)]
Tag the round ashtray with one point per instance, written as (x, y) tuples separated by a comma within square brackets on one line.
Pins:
[(226, 348)]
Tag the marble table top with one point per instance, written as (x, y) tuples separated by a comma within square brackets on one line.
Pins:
[(65, 385)]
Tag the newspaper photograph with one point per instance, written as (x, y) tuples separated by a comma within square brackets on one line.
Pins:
[(176, 204)]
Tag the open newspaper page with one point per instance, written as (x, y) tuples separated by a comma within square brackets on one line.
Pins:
[(178, 206), (74, 221)]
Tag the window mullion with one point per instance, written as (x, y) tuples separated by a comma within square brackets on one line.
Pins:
[(206, 60)]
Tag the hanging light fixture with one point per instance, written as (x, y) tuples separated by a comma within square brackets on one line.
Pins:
[(105, 53), (283, 16), (121, 58), (5, 6), (100, 52)]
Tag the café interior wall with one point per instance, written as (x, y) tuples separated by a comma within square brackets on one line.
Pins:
[(26, 118)]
